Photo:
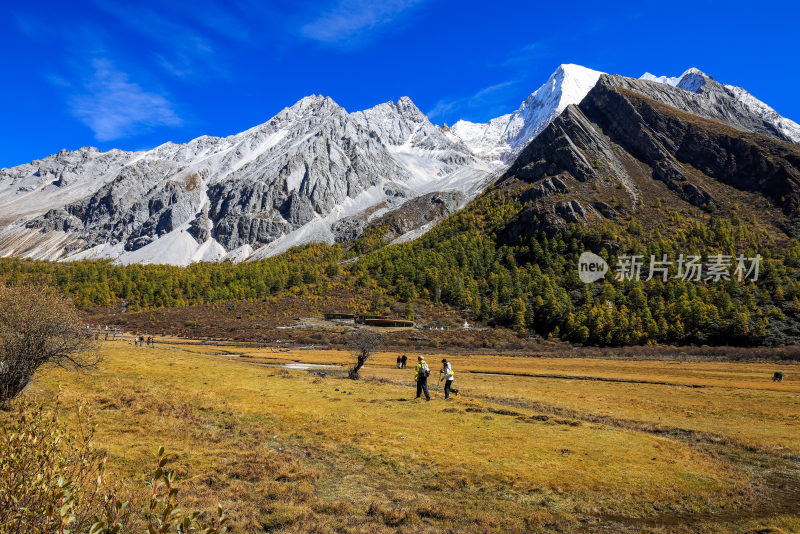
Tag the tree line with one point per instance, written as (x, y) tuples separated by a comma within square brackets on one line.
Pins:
[(472, 262)]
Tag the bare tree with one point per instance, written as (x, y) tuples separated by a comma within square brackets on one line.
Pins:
[(38, 327), (365, 343)]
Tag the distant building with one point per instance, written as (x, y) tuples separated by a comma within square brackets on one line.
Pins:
[(389, 323), (330, 316), (362, 319)]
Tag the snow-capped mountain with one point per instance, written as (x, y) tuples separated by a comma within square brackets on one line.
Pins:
[(314, 172), (697, 81), (253, 194), (502, 139)]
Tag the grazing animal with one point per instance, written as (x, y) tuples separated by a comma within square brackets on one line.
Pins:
[(777, 377)]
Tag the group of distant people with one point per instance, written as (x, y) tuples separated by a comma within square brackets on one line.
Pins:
[(105, 328), (140, 341), (422, 371)]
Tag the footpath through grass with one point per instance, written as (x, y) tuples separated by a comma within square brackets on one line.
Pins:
[(293, 451)]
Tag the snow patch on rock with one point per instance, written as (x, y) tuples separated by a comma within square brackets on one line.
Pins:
[(695, 81)]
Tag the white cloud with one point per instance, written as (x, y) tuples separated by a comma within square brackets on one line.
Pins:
[(181, 50), (492, 89), (350, 20), (522, 57), (27, 24), (114, 107), (443, 108), (487, 100)]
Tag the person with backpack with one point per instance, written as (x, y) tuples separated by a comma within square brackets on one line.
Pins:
[(447, 374), (421, 374), (403, 360)]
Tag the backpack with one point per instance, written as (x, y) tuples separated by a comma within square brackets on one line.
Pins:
[(425, 371)]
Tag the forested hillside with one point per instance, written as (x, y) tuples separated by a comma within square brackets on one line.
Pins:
[(529, 282), (99, 283)]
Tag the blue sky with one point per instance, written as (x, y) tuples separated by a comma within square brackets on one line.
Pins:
[(133, 75)]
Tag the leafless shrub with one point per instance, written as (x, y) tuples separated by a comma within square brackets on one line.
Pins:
[(365, 343), (38, 327)]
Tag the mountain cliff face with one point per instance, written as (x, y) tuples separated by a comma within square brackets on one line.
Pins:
[(633, 144)]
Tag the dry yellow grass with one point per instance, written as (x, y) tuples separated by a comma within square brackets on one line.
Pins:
[(737, 401), (294, 451)]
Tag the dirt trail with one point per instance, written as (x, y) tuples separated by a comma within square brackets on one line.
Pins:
[(591, 378)]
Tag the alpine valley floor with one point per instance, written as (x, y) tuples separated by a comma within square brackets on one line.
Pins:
[(530, 445)]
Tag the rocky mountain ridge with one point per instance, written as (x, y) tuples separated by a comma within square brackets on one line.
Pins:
[(217, 198), (315, 172), (632, 145)]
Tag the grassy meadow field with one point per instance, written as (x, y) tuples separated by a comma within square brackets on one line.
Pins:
[(530, 444)]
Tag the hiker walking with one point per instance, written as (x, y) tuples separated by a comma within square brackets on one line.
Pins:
[(403, 360), (446, 374), (421, 374)]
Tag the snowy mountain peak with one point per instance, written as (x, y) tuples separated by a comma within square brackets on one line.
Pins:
[(406, 107), (696, 81), (395, 122), (405, 103), (573, 70), (504, 137), (567, 85), (691, 77), (695, 71), (313, 103), (667, 80), (693, 80)]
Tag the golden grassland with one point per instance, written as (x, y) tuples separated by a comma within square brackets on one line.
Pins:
[(737, 402), (563, 445)]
